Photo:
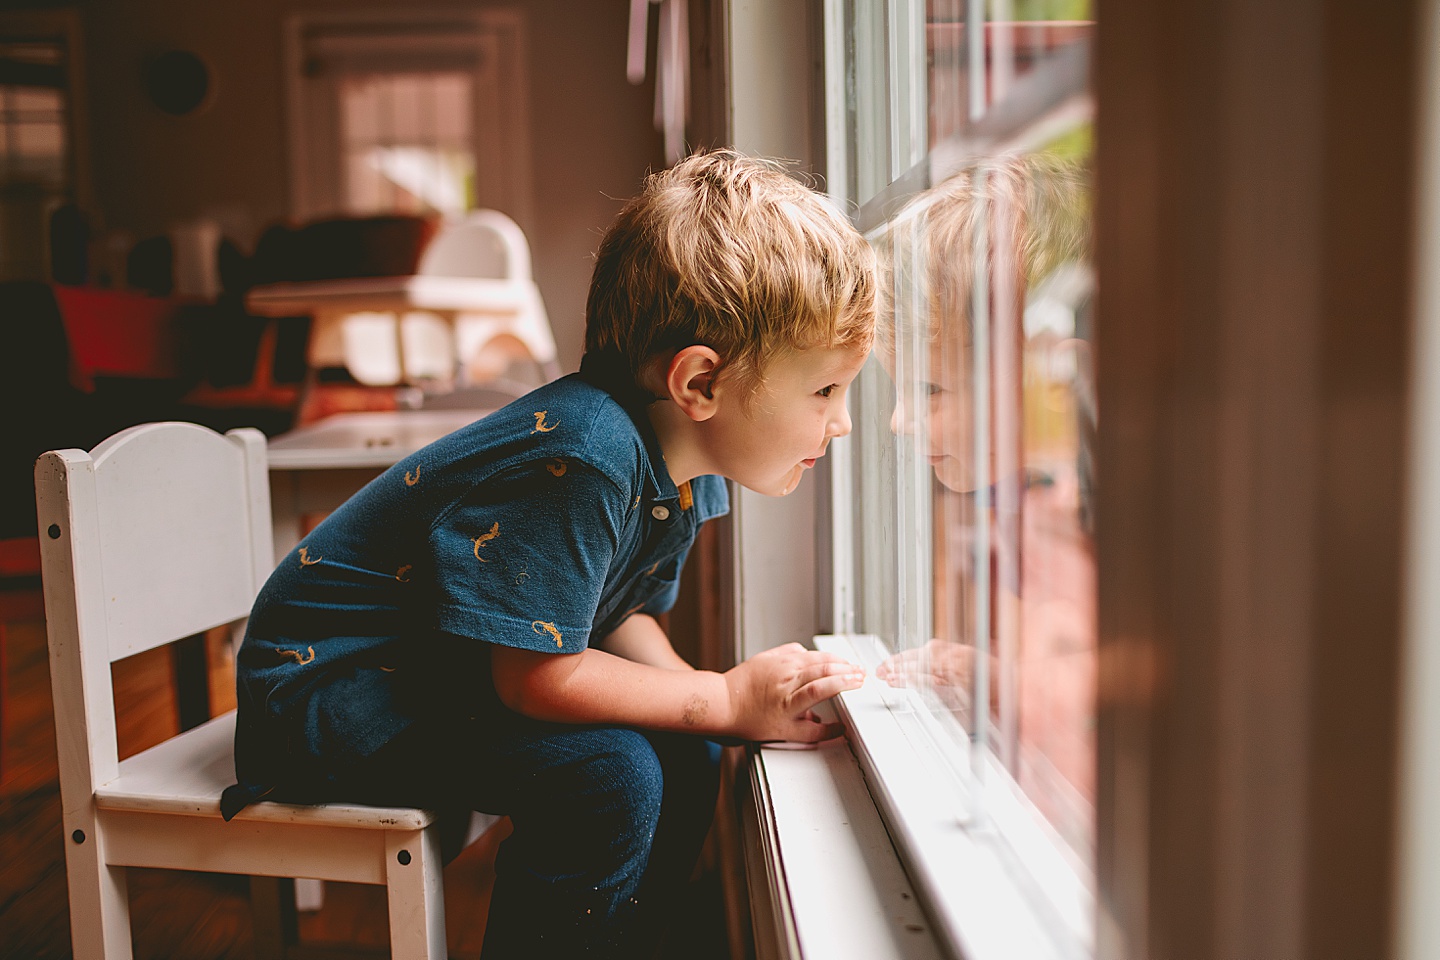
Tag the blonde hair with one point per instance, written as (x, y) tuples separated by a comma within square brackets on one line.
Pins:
[(1035, 204), (727, 251)]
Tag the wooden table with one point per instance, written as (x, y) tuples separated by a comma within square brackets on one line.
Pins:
[(329, 302), (316, 468)]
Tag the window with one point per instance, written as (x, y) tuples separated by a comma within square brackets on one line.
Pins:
[(406, 142), (38, 162), (32, 113), (415, 113), (964, 569)]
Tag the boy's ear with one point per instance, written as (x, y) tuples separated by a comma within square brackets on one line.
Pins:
[(690, 381)]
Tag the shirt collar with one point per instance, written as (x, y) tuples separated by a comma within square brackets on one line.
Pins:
[(605, 370), (657, 473)]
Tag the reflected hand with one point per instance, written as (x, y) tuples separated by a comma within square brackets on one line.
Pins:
[(940, 663), (942, 666)]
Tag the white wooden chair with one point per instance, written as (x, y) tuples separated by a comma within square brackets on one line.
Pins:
[(161, 532)]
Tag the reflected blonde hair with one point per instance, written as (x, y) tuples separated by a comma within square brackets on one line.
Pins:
[(1037, 205), (727, 251)]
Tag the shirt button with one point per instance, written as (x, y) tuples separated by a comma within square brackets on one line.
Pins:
[(660, 512)]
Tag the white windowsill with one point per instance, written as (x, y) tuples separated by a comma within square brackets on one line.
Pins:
[(842, 890), (835, 888)]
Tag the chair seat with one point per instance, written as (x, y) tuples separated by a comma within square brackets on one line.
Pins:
[(185, 775)]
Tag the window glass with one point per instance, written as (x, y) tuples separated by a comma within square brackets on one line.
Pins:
[(970, 482), (36, 163), (408, 112), (408, 143)]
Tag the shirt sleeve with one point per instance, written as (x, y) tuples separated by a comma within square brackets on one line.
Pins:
[(522, 560)]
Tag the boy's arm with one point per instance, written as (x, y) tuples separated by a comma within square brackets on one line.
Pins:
[(640, 639), (768, 697)]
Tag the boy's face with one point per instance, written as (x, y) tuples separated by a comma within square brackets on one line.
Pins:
[(767, 444), (950, 433)]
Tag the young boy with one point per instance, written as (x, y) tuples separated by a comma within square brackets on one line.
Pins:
[(474, 629)]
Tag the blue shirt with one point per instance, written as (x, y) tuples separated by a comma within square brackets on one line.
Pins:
[(540, 526)]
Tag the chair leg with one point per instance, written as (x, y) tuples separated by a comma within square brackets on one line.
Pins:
[(272, 908), (417, 900), (99, 905)]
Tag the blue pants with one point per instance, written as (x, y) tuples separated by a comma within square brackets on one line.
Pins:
[(608, 824)]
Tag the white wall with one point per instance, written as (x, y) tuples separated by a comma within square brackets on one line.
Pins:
[(769, 50)]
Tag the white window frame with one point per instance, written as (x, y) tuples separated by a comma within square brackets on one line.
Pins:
[(976, 900)]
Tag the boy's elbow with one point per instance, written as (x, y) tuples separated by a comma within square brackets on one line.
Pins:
[(512, 692), (527, 682)]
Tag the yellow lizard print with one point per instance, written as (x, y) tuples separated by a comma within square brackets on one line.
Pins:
[(411, 481), (400, 574), (299, 658), (305, 560), (540, 625), (557, 469), (485, 538), (540, 426)]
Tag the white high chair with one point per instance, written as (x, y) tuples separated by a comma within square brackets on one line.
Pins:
[(472, 290), (161, 532), (487, 244)]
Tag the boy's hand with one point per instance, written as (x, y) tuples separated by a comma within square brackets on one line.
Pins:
[(772, 693)]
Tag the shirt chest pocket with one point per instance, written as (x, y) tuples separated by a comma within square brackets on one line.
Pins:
[(659, 585), (651, 589)]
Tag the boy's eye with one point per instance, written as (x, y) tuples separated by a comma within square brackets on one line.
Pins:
[(826, 391), (931, 389)]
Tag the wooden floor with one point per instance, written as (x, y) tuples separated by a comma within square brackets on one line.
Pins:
[(197, 916)]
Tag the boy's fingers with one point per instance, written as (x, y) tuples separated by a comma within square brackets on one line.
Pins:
[(813, 671), (824, 688), (818, 659)]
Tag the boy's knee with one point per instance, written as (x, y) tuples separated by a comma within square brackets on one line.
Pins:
[(625, 780)]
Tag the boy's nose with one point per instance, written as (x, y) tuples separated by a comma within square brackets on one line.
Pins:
[(901, 423), (840, 427)]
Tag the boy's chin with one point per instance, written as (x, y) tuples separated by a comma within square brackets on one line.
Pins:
[(781, 487), (955, 475)]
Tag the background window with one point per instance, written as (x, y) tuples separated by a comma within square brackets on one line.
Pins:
[(35, 149), (414, 114), (407, 142)]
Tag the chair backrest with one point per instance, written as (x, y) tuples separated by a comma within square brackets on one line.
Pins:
[(485, 244), (160, 532)]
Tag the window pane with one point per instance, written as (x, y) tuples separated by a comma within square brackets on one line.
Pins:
[(407, 142), (974, 424)]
